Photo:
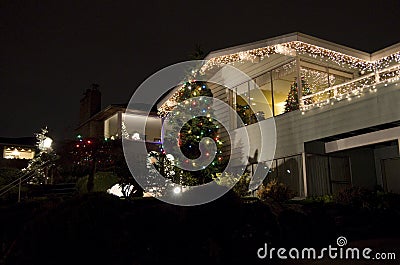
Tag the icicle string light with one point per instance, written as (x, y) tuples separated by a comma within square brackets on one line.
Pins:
[(378, 71), (298, 47)]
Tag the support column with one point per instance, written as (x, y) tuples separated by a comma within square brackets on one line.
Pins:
[(377, 78), (299, 88), (398, 144), (119, 124), (272, 94), (304, 167)]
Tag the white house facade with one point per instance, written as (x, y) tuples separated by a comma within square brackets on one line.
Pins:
[(346, 130)]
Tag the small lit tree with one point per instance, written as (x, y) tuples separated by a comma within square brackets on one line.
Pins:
[(292, 101), (43, 160), (93, 155)]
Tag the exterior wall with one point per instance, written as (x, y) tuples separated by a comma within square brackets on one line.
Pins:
[(391, 180), (96, 129), (13, 163), (383, 153), (362, 167)]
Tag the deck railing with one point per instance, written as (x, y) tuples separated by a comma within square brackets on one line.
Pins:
[(352, 88)]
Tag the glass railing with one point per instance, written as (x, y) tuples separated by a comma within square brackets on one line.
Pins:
[(352, 89)]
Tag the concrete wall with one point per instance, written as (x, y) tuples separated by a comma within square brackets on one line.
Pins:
[(380, 153), (362, 167), (391, 175)]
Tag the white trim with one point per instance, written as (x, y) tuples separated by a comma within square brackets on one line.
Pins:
[(363, 140)]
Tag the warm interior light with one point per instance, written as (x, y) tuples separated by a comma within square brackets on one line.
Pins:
[(15, 152)]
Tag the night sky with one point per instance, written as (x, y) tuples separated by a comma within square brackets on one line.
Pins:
[(52, 51)]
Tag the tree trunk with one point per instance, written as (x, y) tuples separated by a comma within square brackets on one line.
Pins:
[(90, 181)]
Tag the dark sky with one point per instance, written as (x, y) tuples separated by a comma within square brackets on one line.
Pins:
[(51, 51)]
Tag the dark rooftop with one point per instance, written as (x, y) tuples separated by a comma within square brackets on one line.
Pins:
[(28, 141)]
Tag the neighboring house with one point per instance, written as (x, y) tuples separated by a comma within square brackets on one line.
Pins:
[(346, 132), (109, 122), (17, 151)]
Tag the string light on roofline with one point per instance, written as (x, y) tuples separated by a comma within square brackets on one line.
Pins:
[(300, 48)]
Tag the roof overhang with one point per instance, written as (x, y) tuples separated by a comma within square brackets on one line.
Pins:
[(296, 36), (362, 58)]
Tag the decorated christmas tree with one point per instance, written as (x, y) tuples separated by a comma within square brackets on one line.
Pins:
[(246, 114), (292, 101), (200, 125)]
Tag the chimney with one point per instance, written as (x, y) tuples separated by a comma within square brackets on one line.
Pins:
[(90, 104)]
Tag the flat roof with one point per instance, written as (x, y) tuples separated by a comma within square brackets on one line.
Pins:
[(297, 36), (20, 141)]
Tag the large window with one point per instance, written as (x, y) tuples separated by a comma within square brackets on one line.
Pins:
[(261, 98), (243, 109), (267, 96), (283, 79), (320, 77), (130, 126), (18, 153)]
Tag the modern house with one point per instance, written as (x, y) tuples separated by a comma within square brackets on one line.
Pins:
[(109, 123), (344, 133)]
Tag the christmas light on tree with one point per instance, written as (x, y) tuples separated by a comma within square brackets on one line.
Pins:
[(292, 101), (43, 160), (193, 99)]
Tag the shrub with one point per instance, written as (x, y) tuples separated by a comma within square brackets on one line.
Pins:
[(321, 199), (356, 197), (102, 182), (241, 188), (275, 190), (7, 175)]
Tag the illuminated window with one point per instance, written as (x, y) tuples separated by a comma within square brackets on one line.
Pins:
[(283, 79), (18, 153)]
